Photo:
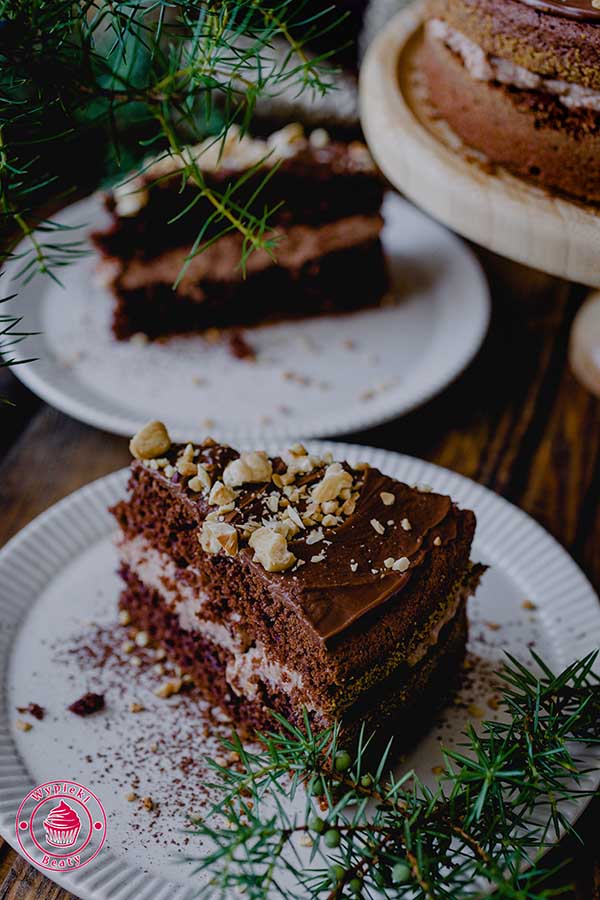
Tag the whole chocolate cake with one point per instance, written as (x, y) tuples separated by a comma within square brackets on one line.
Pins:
[(296, 582), (519, 80)]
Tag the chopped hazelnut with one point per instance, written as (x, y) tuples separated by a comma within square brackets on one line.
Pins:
[(334, 480), (186, 467), (293, 514), (329, 521), (150, 441), (220, 494), (297, 450), (402, 564), (406, 526), (387, 499), (350, 505), (217, 536), (271, 550), (250, 468), (315, 536), (168, 688), (379, 528)]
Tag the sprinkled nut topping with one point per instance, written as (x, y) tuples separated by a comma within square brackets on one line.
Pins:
[(437, 541), (250, 468), (216, 536), (186, 468), (150, 442), (379, 528), (401, 565), (168, 688), (405, 524), (387, 499), (333, 482), (221, 494), (201, 481), (271, 550)]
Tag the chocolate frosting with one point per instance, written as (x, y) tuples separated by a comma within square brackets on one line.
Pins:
[(569, 9), (330, 595), (351, 579)]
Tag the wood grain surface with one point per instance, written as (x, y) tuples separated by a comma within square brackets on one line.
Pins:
[(425, 160), (517, 421)]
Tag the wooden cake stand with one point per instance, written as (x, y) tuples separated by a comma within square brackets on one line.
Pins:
[(425, 159)]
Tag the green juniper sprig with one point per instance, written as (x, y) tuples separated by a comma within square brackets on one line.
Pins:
[(77, 75), (365, 832), (88, 90), (9, 336)]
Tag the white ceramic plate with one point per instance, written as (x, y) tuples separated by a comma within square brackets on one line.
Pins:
[(321, 376), (57, 576)]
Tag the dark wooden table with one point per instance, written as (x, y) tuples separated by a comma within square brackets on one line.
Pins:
[(516, 421)]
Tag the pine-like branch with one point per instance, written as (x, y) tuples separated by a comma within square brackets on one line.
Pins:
[(70, 72), (501, 801)]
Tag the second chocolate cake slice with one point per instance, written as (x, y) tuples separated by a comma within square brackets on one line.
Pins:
[(296, 582), (324, 252)]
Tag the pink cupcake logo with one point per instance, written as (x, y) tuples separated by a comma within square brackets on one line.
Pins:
[(62, 825)]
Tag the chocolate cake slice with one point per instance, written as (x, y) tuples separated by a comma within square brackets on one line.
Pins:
[(325, 223), (296, 582), (519, 80)]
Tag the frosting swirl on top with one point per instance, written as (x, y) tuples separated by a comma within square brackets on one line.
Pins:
[(62, 816)]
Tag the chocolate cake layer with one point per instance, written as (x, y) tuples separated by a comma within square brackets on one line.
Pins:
[(338, 267), (294, 582), (551, 45), (529, 132), (199, 606), (401, 704), (301, 181)]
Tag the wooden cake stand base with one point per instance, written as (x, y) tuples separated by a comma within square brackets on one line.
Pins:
[(425, 160)]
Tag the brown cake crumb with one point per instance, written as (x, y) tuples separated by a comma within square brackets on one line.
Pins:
[(33, 709), (87, 704), (239, 346)]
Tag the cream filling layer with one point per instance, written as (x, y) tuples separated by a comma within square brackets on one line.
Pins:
[(248, 666), (484, 67)]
